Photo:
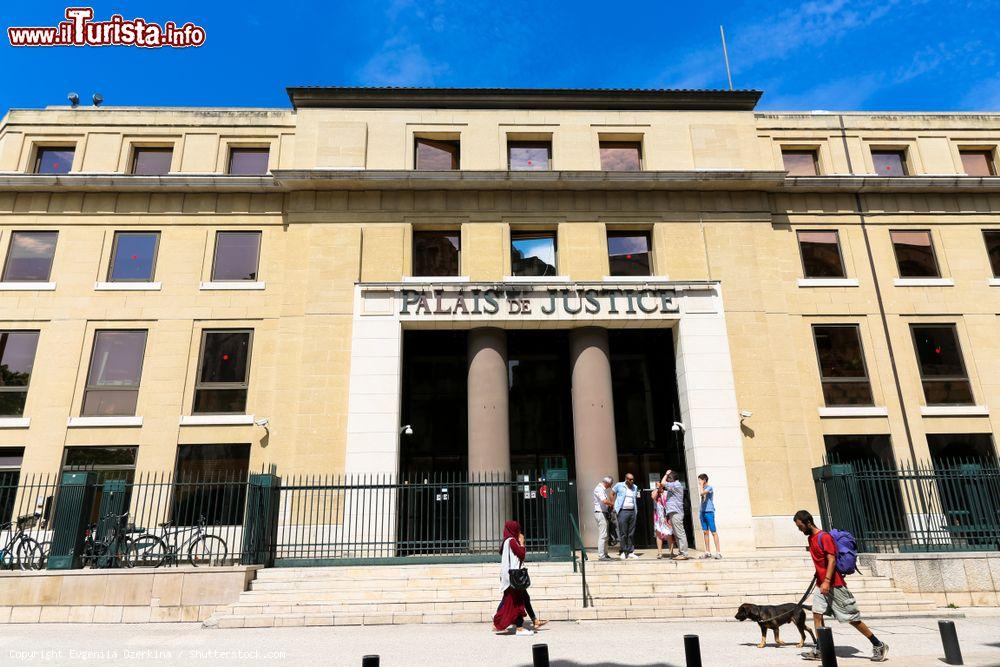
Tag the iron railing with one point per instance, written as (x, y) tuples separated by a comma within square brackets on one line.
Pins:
[(577, 543), (944, 505)]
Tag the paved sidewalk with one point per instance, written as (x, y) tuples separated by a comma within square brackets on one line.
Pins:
[(914, 643)]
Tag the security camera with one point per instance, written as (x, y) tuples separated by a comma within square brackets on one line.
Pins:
[(97, 99), (678, 426), (74, 99), (406, 430), (263, 422), (746, 414)]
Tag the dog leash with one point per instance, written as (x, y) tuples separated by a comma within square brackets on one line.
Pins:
[(801, 602)]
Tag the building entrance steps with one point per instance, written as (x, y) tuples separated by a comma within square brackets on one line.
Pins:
[(468, 593)]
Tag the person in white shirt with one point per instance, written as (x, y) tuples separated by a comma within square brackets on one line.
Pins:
[(602, 509)]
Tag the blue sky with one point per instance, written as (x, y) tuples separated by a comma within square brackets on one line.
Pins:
[(884, 55)]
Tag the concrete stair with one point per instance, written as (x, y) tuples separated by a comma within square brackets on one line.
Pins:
[(463, 593)]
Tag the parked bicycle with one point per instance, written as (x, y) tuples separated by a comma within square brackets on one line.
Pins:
[(203, 548), (21, 550), (114, 548)]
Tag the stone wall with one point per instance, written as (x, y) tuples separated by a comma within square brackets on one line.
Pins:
[(961, 579)]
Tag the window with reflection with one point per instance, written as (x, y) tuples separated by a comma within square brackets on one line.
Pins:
[(237, 255), (17, 357), (133, 256), (889, 163), (248, 161), (114, 373), (992, 239), (148, 161), (621, 155), (800, 163), (223, 372), (529, 155), (210, 483), (942, 370), (978, 162), (436, 154), (10, 474), (108, 463), (629, 253), (533, 253), (915, 254), (842, 369), (29, 257), (821, 256), (54, 159), (436, 253)]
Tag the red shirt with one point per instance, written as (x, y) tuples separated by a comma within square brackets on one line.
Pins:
[(820, 545)]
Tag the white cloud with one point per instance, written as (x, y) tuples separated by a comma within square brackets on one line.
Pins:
[(399, 63)]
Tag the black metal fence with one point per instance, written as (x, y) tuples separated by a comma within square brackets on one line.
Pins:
[(946, 505)]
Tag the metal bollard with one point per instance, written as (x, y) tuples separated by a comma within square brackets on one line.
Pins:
[(949, 638), (827, 652), (540, 655), (692, 650), (369, 661)]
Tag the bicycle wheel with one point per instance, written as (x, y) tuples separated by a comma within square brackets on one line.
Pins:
[(147, 550), (29, 554), (208, 550), (6, 559)]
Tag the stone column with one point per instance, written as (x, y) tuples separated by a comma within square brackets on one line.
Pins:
[(489, 435), (593, 420)]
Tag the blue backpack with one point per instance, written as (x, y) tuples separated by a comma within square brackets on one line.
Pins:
[(847, 551)]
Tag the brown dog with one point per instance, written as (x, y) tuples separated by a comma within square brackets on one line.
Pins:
[(774, 616)]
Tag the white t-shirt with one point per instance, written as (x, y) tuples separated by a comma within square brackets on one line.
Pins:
[(600, 494), (630, 495)]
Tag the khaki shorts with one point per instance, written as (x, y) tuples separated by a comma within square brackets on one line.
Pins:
[(840, 604)]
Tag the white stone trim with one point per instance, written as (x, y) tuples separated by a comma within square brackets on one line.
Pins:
[(536, 280), (217, 420), (954, 411), (828, 282), (924, 282), (430, 280), (128, 286), (94, 422), (994, 282), (27, 286), (15, 422), (855, 411), (636, 279), (233, 285)]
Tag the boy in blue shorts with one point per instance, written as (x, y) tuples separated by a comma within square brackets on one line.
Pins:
[(707, 515)]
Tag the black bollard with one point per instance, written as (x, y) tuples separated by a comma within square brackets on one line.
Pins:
[(692, 650), (369, 661), (827, 652), (540, 655), (949, 638)]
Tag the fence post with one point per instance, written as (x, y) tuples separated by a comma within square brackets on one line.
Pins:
[(370, 661), (260, 522), (557, 513), (692, 650), (949, 639), (76, 494), (540, 655), (827, 651)]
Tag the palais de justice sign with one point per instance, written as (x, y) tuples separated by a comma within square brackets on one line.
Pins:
[(508, 302)]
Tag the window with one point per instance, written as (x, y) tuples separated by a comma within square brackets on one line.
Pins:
[(436, 253), (821, 254), (54, 160), (115, 369), (978, 163), (915, 254), (437, 154), (529, 155), (629, 253), (621, 156), (942, 371), (236, 256), (10, 474), (29, 258), (859, 448), (210, 482), (992, 238), (248, 161), (110, 463), (800, 163), (889, 163), (224, 372), (17, 356), (961, 448), (152, 161), (842, 365), (133, 256), (533, 253)]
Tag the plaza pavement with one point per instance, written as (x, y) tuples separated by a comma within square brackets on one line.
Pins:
[(915, 642)]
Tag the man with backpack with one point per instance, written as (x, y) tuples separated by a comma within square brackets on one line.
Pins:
[(832, 597)]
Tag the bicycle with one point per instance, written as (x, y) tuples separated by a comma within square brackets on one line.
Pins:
[(203, 548), (114, 548), (21, 549)]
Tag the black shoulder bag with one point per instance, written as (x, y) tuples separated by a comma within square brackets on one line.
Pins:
[(519, 579)]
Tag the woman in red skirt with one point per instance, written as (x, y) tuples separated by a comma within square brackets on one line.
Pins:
[(515, 604)]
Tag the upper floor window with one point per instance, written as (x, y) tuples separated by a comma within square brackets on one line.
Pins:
[(629, 253), (915, 254), (889, 163), (821, 256), (978, 162), (621, 155), (237, 255), (800, 162), (152, 161), (436, 253), (54, 159), (437, 154), (992, 238), (248, 161), (114, 374), (223, 372), (942, 370), (29, 258), (529, 155), (842, 365), (17, 357), (133, 256), (533, 253)]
